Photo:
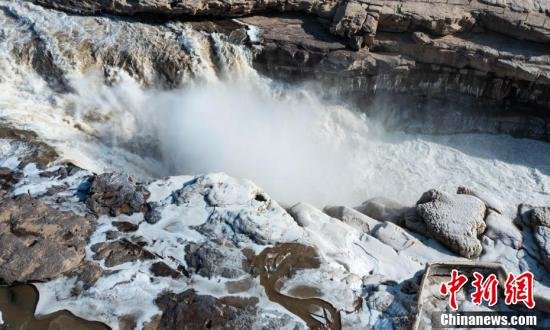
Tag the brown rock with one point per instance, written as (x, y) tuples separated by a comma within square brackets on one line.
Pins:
[(115, 193), (189, 310), (161, 269), (119, 252), (37, 151), (125, 226), (8, 178), (39, 242)]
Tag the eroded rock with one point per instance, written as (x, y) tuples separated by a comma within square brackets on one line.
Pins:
[(540, 216), (383, 209), (119, 252), (454, 220), (8, 178), (39, 242), (490, 200), (211, 260), (36, 151), (161, 269), (189, 310), (542, 237), (115, 194), (353, 218)]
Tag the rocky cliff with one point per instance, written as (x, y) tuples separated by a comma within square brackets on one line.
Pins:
[(490, 57)]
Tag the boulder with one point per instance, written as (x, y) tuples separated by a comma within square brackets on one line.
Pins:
[(542, 237), (524, 215), (414, 222), (212, 260), (454, 220), (383, 209), (120, 251), (540, 216), (125, 226), (394, 236), (501, 228), (491, 201), (159, 268), (115, 194), (8, 178), (353, 218), (39, 242), (190, 310)]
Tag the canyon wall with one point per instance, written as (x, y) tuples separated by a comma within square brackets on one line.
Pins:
[(438, 66)]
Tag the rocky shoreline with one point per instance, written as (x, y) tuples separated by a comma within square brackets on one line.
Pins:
[(221, 242)]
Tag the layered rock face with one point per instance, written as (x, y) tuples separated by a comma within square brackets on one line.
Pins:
[(476, 66), (465, 73), (456, 66), (191, 8)]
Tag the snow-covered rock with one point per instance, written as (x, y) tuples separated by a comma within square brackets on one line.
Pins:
[(502, 228), (542, 237), (454, 220), (353, 218), (540, 216), (383, 209), (490, 200)]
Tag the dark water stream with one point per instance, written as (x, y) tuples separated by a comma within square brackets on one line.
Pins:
[(18, 304), (275, 264)]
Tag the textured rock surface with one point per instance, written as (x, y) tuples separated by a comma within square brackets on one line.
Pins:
[(455, 220), (197, 311), (116, 193), (39, 242), (500, 83), (491, 58), (540, 216), (119, 252), (352, 218), (211, 260), (491, 202), (191, 8), (355, 18), (35, 150), (220, 247), (542, 237)]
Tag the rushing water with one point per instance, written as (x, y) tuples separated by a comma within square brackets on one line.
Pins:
[(288, 139)]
